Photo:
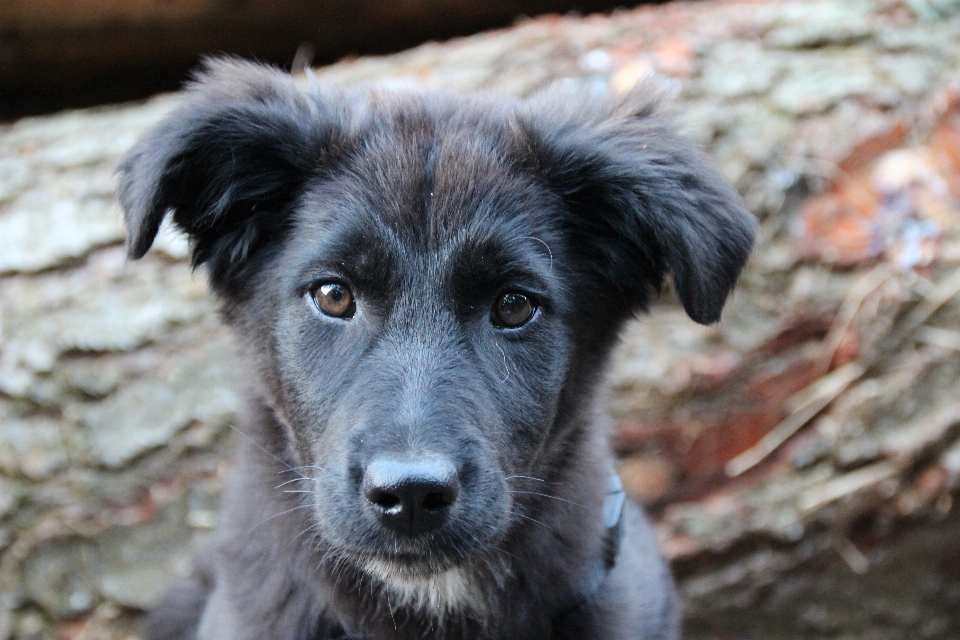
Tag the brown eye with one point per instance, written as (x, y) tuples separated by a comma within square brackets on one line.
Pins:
[(335, 300), (512, 310)]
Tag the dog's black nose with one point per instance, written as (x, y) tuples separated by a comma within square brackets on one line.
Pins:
[(411, 497)]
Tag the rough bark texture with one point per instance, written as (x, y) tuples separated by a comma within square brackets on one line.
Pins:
[(802, 457)]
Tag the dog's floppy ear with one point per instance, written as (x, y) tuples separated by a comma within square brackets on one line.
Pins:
[(228, 163), (644, 201)]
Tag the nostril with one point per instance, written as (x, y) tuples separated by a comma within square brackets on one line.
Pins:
[(384, 499), (442, 494), (436, 502)]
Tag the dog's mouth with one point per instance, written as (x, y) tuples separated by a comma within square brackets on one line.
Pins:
[(390, 558)]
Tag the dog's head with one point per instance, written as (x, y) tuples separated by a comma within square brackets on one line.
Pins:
[(429, 284)]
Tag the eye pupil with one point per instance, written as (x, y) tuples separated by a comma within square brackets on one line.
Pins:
[(512, 310), (335, 300)]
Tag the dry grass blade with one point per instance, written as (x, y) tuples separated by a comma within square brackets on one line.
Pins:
[(941, 294), (854, 300), (845, 485), (944, 338), (805, 405)]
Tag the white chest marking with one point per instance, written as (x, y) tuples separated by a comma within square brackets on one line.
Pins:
[(440, 594)]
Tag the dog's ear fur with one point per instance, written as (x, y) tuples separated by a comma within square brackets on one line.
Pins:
[(645, 201), (228, 163)]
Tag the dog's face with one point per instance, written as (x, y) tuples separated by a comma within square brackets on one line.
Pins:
[(419, 333), (429, 285)]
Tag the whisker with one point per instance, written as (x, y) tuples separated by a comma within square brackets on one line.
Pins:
[(326, 555), (547, 495), (500, 549), (302, 506), (541, 480), (542, 524), (257, 445), (311, 527), (306, 466), (389, 606), (506, 365), (545, 245), (302, 479)]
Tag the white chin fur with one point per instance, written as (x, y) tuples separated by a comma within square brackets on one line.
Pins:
[(441, 594)]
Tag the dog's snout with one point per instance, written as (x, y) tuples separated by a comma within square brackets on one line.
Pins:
[(411, 497)]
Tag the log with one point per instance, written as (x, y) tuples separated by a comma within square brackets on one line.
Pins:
[(61, 53), (801, 458)]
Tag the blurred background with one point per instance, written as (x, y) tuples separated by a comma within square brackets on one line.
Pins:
[(801, 458), (70, 53)]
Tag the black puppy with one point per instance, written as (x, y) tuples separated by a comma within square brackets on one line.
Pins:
[(426, 288)]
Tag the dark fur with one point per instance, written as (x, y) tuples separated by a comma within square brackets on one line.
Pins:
[(428, 206)]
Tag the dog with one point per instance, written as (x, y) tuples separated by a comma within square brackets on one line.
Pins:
[(426, 288)]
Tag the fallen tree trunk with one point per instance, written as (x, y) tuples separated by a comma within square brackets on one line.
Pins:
[(802, 458), (56, 53)]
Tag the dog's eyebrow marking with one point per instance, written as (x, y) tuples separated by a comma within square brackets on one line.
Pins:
[(545, 245)]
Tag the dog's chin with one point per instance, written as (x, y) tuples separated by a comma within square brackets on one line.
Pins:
[(426, 585), (405, 568)]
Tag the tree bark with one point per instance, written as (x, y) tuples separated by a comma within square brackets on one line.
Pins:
[(801, 458)]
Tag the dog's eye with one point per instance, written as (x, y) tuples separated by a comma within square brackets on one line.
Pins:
[(512, 310), (335, 300)]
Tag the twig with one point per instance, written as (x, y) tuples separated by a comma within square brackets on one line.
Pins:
[(852, 303), (932, 301), (806, 404), (854, 558), (944, 338), (845, 485)]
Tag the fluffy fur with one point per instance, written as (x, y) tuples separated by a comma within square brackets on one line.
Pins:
[(428, 207)]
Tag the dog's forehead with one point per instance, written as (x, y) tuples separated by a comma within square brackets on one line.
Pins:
[(430, 175), (433, 185)]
